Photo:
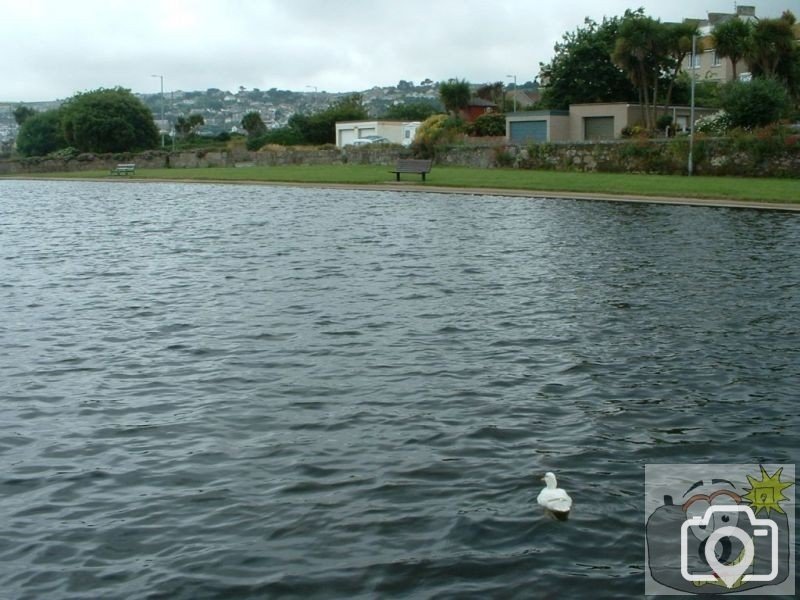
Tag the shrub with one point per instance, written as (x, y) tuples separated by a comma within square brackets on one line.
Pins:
[(755, 103), (435, 131), (490, 124), (663, 122), (41, 134), (717, 124)]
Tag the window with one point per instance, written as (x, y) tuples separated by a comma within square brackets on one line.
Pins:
[(716, 61), (695, 61)]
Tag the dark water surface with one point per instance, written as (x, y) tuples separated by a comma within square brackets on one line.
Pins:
[(252, 392)]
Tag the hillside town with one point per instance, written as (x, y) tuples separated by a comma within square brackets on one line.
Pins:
[(223, 110)]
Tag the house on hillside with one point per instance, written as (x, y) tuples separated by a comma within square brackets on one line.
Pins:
[(708, 65), (477, 107), (586, 122), (522, 99)]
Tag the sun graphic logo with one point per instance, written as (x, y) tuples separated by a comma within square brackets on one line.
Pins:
[(767, 493)]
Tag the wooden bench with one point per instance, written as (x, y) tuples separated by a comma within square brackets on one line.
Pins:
[(411, 165), (124, 169)]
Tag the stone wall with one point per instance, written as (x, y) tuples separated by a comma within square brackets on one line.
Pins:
[(724, 156), (721, 156)]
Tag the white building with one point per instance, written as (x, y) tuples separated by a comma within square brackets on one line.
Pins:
[(397, 132)]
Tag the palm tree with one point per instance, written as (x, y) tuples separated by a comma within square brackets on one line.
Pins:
[(678, 46), (454, 94), (640, 52), (732, 39), (771, 45)]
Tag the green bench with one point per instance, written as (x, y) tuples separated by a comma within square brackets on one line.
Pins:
[(124, 169), (412, 165)]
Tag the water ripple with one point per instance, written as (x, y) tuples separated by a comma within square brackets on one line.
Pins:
[(250, 392)]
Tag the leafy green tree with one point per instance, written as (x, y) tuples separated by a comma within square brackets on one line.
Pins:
[(454, 94), (186, 126), (732, 39), (108, 120), (320, 128), (755, 103), (253, 124), (582, 70), (412, 111), (41, 134), (22, 113)]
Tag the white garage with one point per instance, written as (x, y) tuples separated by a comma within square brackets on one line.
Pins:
[(397, 132)]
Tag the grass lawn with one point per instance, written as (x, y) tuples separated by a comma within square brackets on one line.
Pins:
[(731, 188)]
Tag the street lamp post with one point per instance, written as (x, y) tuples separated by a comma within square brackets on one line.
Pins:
[(161, 77), (514, 77), (313, 87)]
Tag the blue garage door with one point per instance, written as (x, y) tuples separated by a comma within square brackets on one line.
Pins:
[(528, 131)]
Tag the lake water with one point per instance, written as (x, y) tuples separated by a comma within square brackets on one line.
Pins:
[(251, 392)]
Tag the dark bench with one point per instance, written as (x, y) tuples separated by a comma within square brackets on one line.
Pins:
[(411, 165), (124, 169)]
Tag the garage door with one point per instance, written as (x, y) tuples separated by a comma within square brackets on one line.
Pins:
[(346, 136), (598, 128), (521, 132), (365, 131)]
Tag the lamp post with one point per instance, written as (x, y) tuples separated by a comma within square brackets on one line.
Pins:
[(313, 87), (161, 77), (514, 77), (690, 166)]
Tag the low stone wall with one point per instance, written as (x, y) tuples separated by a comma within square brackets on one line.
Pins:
[(718, 156), (82, 162), (721, 156), (272, 156)]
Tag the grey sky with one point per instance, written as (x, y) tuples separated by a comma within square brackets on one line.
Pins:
[(54, 48)]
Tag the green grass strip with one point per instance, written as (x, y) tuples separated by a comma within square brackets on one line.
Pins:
[(624, 184)]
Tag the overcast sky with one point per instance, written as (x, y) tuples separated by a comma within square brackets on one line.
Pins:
[(53, 48)]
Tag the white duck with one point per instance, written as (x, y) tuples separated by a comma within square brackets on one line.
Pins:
[(553, 498)]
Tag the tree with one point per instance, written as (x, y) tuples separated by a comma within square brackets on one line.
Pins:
[(454, 94), (320, 128), (755, 103), (22, 113), (40, 134), (186, 126), (493, 92), (412, 111), (108, 120), (678, 44), (731, 39), (253, 124), (641, 51), (582, 70), (772, 47)]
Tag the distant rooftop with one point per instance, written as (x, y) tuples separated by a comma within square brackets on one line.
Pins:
[(745, 13)]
